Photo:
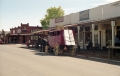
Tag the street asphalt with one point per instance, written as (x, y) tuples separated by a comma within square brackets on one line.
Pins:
[(18, 60)]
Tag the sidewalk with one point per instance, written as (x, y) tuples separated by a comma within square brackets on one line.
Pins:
[(98, 53)]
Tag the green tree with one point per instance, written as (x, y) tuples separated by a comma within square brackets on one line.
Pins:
[(51, 13)]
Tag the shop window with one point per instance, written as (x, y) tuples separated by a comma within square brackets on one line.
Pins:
[(24, 31), (36, 37), (81, 28), (30, 31), (87, 28), (88, 37), (96, 38), (96, 28), (31, 37), (108, 35), (81, 36)]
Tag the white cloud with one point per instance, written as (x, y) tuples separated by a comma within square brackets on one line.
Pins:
[(71, 10), (106, 1), (111, 0), (98, 4)]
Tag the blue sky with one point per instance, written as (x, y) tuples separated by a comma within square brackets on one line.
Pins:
[(15, 12)]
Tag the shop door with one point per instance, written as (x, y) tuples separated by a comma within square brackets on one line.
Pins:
[(88, 38), (24, 39), (97, 39)]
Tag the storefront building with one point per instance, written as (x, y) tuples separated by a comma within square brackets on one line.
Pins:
[(99, 25), (20, 34), (3, 36)]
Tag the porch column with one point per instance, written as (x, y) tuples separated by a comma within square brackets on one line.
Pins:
[(32, 40), (93, 36), (21, 39), (112, 25), (78, 30)]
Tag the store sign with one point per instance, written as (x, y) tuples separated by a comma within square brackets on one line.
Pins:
[(106, 26), (19, 31), (116, 4), (57, 20), (25, 28), (84, 15), (13, 31)]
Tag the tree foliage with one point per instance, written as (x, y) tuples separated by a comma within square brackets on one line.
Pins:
[(51, 13)]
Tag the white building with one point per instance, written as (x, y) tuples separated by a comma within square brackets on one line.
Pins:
[(98, 24)]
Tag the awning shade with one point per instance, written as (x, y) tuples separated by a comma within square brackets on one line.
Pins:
[(39, 32), (17, 34)]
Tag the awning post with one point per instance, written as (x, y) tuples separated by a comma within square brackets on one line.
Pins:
[(113, 36), (93, 35)]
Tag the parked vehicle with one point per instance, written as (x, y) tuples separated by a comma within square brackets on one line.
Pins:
[(36, 42), (60, 41), (57, 40), (1, 42)]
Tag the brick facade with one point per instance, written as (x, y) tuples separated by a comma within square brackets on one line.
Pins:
[(20, 34)]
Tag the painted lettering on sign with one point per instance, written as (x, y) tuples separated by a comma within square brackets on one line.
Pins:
[(25, 28), (19, 31), (61, 19), (84, 15)]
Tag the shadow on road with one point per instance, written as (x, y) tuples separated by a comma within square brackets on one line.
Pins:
[(113, 62), (79, 56)]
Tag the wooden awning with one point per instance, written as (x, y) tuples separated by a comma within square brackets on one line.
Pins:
[(72, 25), (22, 34), (99, 21), (39, 32), (17, 34), (13, 34)]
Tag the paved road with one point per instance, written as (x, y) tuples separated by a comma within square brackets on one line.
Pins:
[(16, 61)]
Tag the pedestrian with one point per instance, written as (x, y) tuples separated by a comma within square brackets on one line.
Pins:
[(89, 46), (117, 41)]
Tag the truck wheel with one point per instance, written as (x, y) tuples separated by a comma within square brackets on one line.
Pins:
[(72, 51), (56, 49)]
